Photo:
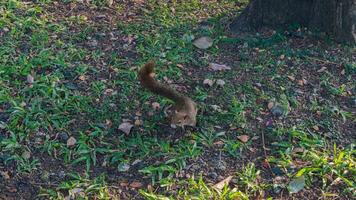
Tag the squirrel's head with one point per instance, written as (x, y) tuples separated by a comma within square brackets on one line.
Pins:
[(185, 115)]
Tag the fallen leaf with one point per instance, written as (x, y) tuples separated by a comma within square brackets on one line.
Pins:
[(5, 175), (11, 189), (71, 142), (208, 82), (136, 184), (343, 72), (282, 57), (82, 77), (316, 128), (300, 82), (203, 42), (138, 113), (292, 78), (30, 79), (124, 184), (270, 105), (222, 183), (125, 127), (180, 66), (218, 67), (322, 69), (298, 150), (296, 185), (155, 106), (243, 138), (108, 91), (220, 82)]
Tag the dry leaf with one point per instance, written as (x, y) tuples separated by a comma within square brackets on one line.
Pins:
[(203, 42), (180, 66), (292, 78), (138, 113), (282, 57), (316, 128), (322, 69), (270, 105), (298, 150), (125, 127), (82, 77), (218, 67), (208, 82), (300, 82), (243, 138), (71, 142), (5, 175), (222, 183), (136, 184), (220, 82), (155, 106)]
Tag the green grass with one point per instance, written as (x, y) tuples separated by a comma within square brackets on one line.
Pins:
[(69, 74)]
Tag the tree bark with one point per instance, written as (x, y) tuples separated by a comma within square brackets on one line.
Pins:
[(336, 17)]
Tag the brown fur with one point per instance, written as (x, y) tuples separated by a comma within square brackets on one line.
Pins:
[(184, 110)]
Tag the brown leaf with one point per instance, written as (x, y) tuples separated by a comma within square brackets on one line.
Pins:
[(218, 67), (136, 184), (292, 78), (82, 77), (270, 105), (180, 66), (243, 138), (71, 142), (5, 175), (222, 183), (316, 128), (125, 127), (208, 82)]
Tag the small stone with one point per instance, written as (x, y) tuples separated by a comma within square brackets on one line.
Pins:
[(203, 42), (220, 82), (213, 175), (30, 79), (63, 136), (61, 174), (26, 155), (277, 110), (71, 142), (123, 167)]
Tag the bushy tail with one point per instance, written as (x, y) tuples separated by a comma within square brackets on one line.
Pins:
[(146, 74)]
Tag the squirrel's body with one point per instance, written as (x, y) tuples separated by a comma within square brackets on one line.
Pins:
[(184, 110)]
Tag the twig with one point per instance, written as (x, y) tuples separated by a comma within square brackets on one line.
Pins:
[(319, 60), (264, 151)]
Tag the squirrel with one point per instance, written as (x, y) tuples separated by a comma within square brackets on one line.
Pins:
[(184, 110)]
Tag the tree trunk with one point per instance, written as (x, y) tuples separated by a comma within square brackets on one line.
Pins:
[(336, 17)]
